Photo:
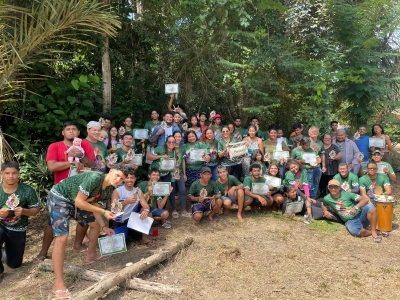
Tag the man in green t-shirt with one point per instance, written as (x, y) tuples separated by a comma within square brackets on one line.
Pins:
[(70, 199), (348, 180), (205, 196), (253, 199), (18, 202), (353, 209), (239, 132), (373, 183), (125, 154), (100, 150), (232, 191)]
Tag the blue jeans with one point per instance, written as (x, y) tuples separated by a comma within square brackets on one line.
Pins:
[(182, 193), (314, 175), (167, 178), (355, 225), (356, 169), (214, 172)]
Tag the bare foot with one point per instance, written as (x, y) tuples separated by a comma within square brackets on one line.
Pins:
[(211, 218), (255, 209), (240, 217), (81, 249), (226, 211), (243, 215)]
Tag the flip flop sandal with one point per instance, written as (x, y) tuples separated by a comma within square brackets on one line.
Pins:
[(39, 259), (166, 225), (62, 294), (99, 259), (175, 215), (383, 233), (377, 239)]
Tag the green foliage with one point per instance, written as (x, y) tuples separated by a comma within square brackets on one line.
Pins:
[(34, 172), (77, 99)]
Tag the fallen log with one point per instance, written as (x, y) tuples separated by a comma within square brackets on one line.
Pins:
[(126, 273), (95, 275)]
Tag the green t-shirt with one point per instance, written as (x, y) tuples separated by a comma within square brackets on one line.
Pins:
[(150, 126), (221, 147), (121, 155), (270, 147), (224, 187), (294, 141), (248, 180), (264, 169), (27, 199), (343, 204), (100, 153), (391, 171), (88, 183), (160, 150), (369, 185), (192, 164), (144, 187), (297, 153), (317, 146), (213, 151), (347, 183), (300, 180), (197, 187), (239, 133)]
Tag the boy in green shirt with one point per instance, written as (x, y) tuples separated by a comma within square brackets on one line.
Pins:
[(348, 180), (254, 200), (373, 183), (205, 196)]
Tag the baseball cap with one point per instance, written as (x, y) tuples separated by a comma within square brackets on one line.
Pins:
[(205, 169), (217, 116), (334, 182), (377, 151), (92, 124), (203, 113)]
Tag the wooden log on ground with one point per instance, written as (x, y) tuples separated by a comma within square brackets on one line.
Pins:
[(95, 275)]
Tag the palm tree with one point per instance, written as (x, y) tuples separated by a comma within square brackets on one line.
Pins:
[(33, 35)]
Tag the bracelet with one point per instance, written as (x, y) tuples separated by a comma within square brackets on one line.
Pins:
[(102, 227), (104, 213), (146, 209)]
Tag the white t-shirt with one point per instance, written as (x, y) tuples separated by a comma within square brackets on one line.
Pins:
[(123, 195)]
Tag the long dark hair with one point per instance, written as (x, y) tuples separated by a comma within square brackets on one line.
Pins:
[(197, 124), (187, 134), (380, 126), (109, 144), (276, 165), (166, 143)]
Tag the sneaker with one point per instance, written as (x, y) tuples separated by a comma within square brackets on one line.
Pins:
[(166, 225), (308, 219), (187, 215), (175, 215)]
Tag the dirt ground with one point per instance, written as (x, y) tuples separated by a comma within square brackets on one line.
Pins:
[(266, 257)]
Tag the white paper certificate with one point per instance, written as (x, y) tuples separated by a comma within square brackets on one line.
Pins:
[(294, 207), (137, 159), (310, 158), (161, 188), (273, 181), (278, 155), (112, 244), (137, 224), (259, 188), (380, 168), (377, 143), (172, 88), (141, 134), (73, 172), (167, 164), (197, 154)]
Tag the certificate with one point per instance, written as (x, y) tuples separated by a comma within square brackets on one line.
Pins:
[(278, 155), (259, 188), (137, 159), (172, 88), (112, 244), (273, 181), (380, 168), (377, 143), (167, 164), (141, 134), (197, 154), (294, 207), (161, 188), (310, 158)]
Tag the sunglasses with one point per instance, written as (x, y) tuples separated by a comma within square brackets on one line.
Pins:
[(333, 186)]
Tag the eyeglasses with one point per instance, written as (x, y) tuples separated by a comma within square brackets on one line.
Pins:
[(372, 168), (171, 143), (333, 186)]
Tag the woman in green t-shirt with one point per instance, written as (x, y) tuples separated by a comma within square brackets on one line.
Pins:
[(234, 167), (165, 159), (191, 167), (211, 145)]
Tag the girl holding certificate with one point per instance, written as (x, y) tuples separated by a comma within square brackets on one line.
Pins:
[(257, 157), (273, 171), (296, 203), (164, 160), (234, 167), (192, 164), (297, 177), (386, 145), (212, 145), (253, 143), (272, 145)]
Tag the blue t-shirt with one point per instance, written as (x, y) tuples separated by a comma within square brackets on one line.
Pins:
[(363, 145)]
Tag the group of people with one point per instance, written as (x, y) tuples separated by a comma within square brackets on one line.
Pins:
[(193, 155)]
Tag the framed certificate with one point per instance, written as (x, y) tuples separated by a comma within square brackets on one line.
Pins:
[(167, 164), (197, 154), (377, 143), (161, 188), (278, 155), (259, 188), (273, 181), (141, 134), (380, 168), (112, 244), (172, 88), (310, 158)]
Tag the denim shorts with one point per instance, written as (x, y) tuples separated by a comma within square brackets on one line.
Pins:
[(156, 212), (232, 198), (355, 225)]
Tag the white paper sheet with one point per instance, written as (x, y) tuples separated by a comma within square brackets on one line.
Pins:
[(137, 224)]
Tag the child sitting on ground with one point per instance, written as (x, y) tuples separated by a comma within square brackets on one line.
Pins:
[(296, 202)]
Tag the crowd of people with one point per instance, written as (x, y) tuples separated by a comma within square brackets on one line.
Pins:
[(328, 176)]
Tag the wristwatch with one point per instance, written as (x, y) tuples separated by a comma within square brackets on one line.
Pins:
[(356, 207)]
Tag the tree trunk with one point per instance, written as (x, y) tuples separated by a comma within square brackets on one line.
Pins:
[(117, 278), (106, 74)]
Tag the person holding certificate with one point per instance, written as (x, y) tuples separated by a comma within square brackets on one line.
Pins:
[(383, 167), (381, 141), (331, 161), (297, 177), (273, 145), (310, 160), (252, 198), (253, 143), (234, 167), (193, 162), (211, 145), (373, 183), (123, 153), (273, 174)]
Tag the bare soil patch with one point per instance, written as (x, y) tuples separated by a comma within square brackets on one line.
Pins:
[(266, 257)]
